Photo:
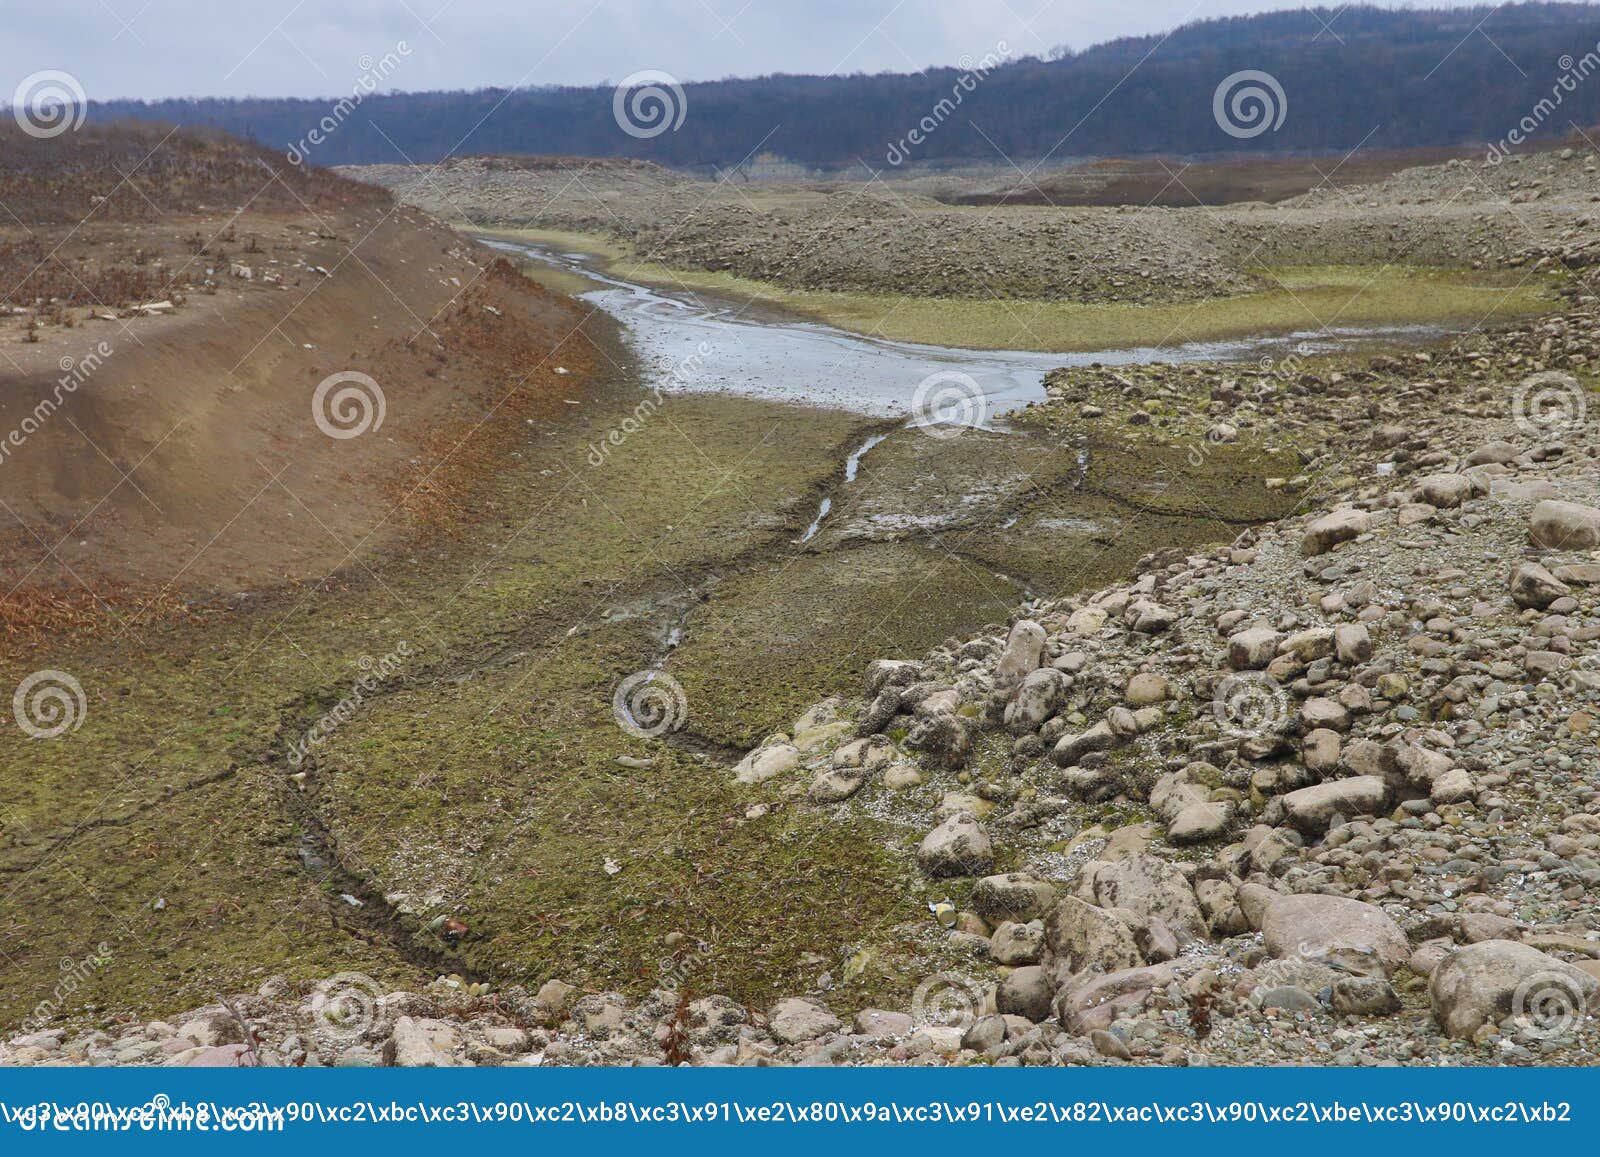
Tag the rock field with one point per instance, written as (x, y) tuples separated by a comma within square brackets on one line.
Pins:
[(1326, 794)]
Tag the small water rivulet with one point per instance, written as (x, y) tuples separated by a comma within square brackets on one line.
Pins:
[(852, 466), (686, 342)]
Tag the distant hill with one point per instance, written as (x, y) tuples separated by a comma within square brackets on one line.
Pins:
[(1349, 77)]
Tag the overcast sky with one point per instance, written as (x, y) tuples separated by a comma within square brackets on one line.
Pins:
[(152, 48)]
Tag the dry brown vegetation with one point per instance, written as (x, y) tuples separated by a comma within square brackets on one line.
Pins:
[(1179, 182), (148, 172)]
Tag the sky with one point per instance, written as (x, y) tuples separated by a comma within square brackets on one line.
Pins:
[(157, 48)]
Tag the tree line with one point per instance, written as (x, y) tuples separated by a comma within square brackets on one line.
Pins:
[(1349, 77)]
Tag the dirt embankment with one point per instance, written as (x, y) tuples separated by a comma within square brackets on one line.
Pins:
[(161, 429)]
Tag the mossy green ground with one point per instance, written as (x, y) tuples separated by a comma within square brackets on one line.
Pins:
[(1291, 298), (168, 827), (482, 780)]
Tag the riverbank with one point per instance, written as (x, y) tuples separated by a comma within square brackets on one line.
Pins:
[(481, 777), (1299, 302)]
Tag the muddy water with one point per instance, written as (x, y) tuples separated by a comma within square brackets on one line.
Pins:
[(686, 342)]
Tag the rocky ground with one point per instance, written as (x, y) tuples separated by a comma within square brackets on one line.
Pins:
[(892, 237), (1326, 794)]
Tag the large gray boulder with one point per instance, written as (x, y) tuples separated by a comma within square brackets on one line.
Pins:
[(1564, 526), (1025, 993), (957, 847), (1346, 934), (1327, 532), (795, 1020), (1080, 938), (1253, 648), (1024, 646), (1156, 890), (1035, 700), (1013, 896), (1311, 809), (1486, 982), (1533, 586)]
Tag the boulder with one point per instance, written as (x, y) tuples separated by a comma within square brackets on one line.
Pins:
[(795, 1020), (1253, 649), (1327, 532), (1081, 938), (1482, 984), (1013, 896), (1147, 688), (1311, 809), (1156, 890), (1346, 934), (1096, 1001), (1035, 700), (1021, 654), (1352, 644), (1200, 822), (957, 847), (1025, 993), (1071, 748), (1015, 943), (1150, 618), (832, 785), (420, 1043), (1442, 490), (1533, 586), (1564, 526), (882, 1025), (944, 737)]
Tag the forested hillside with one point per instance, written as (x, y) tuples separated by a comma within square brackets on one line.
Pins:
[(1349, 77)]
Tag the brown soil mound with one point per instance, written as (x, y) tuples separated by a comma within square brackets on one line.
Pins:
[(168, 443)]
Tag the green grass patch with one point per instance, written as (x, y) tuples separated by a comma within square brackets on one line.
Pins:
[(1292, 298)]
